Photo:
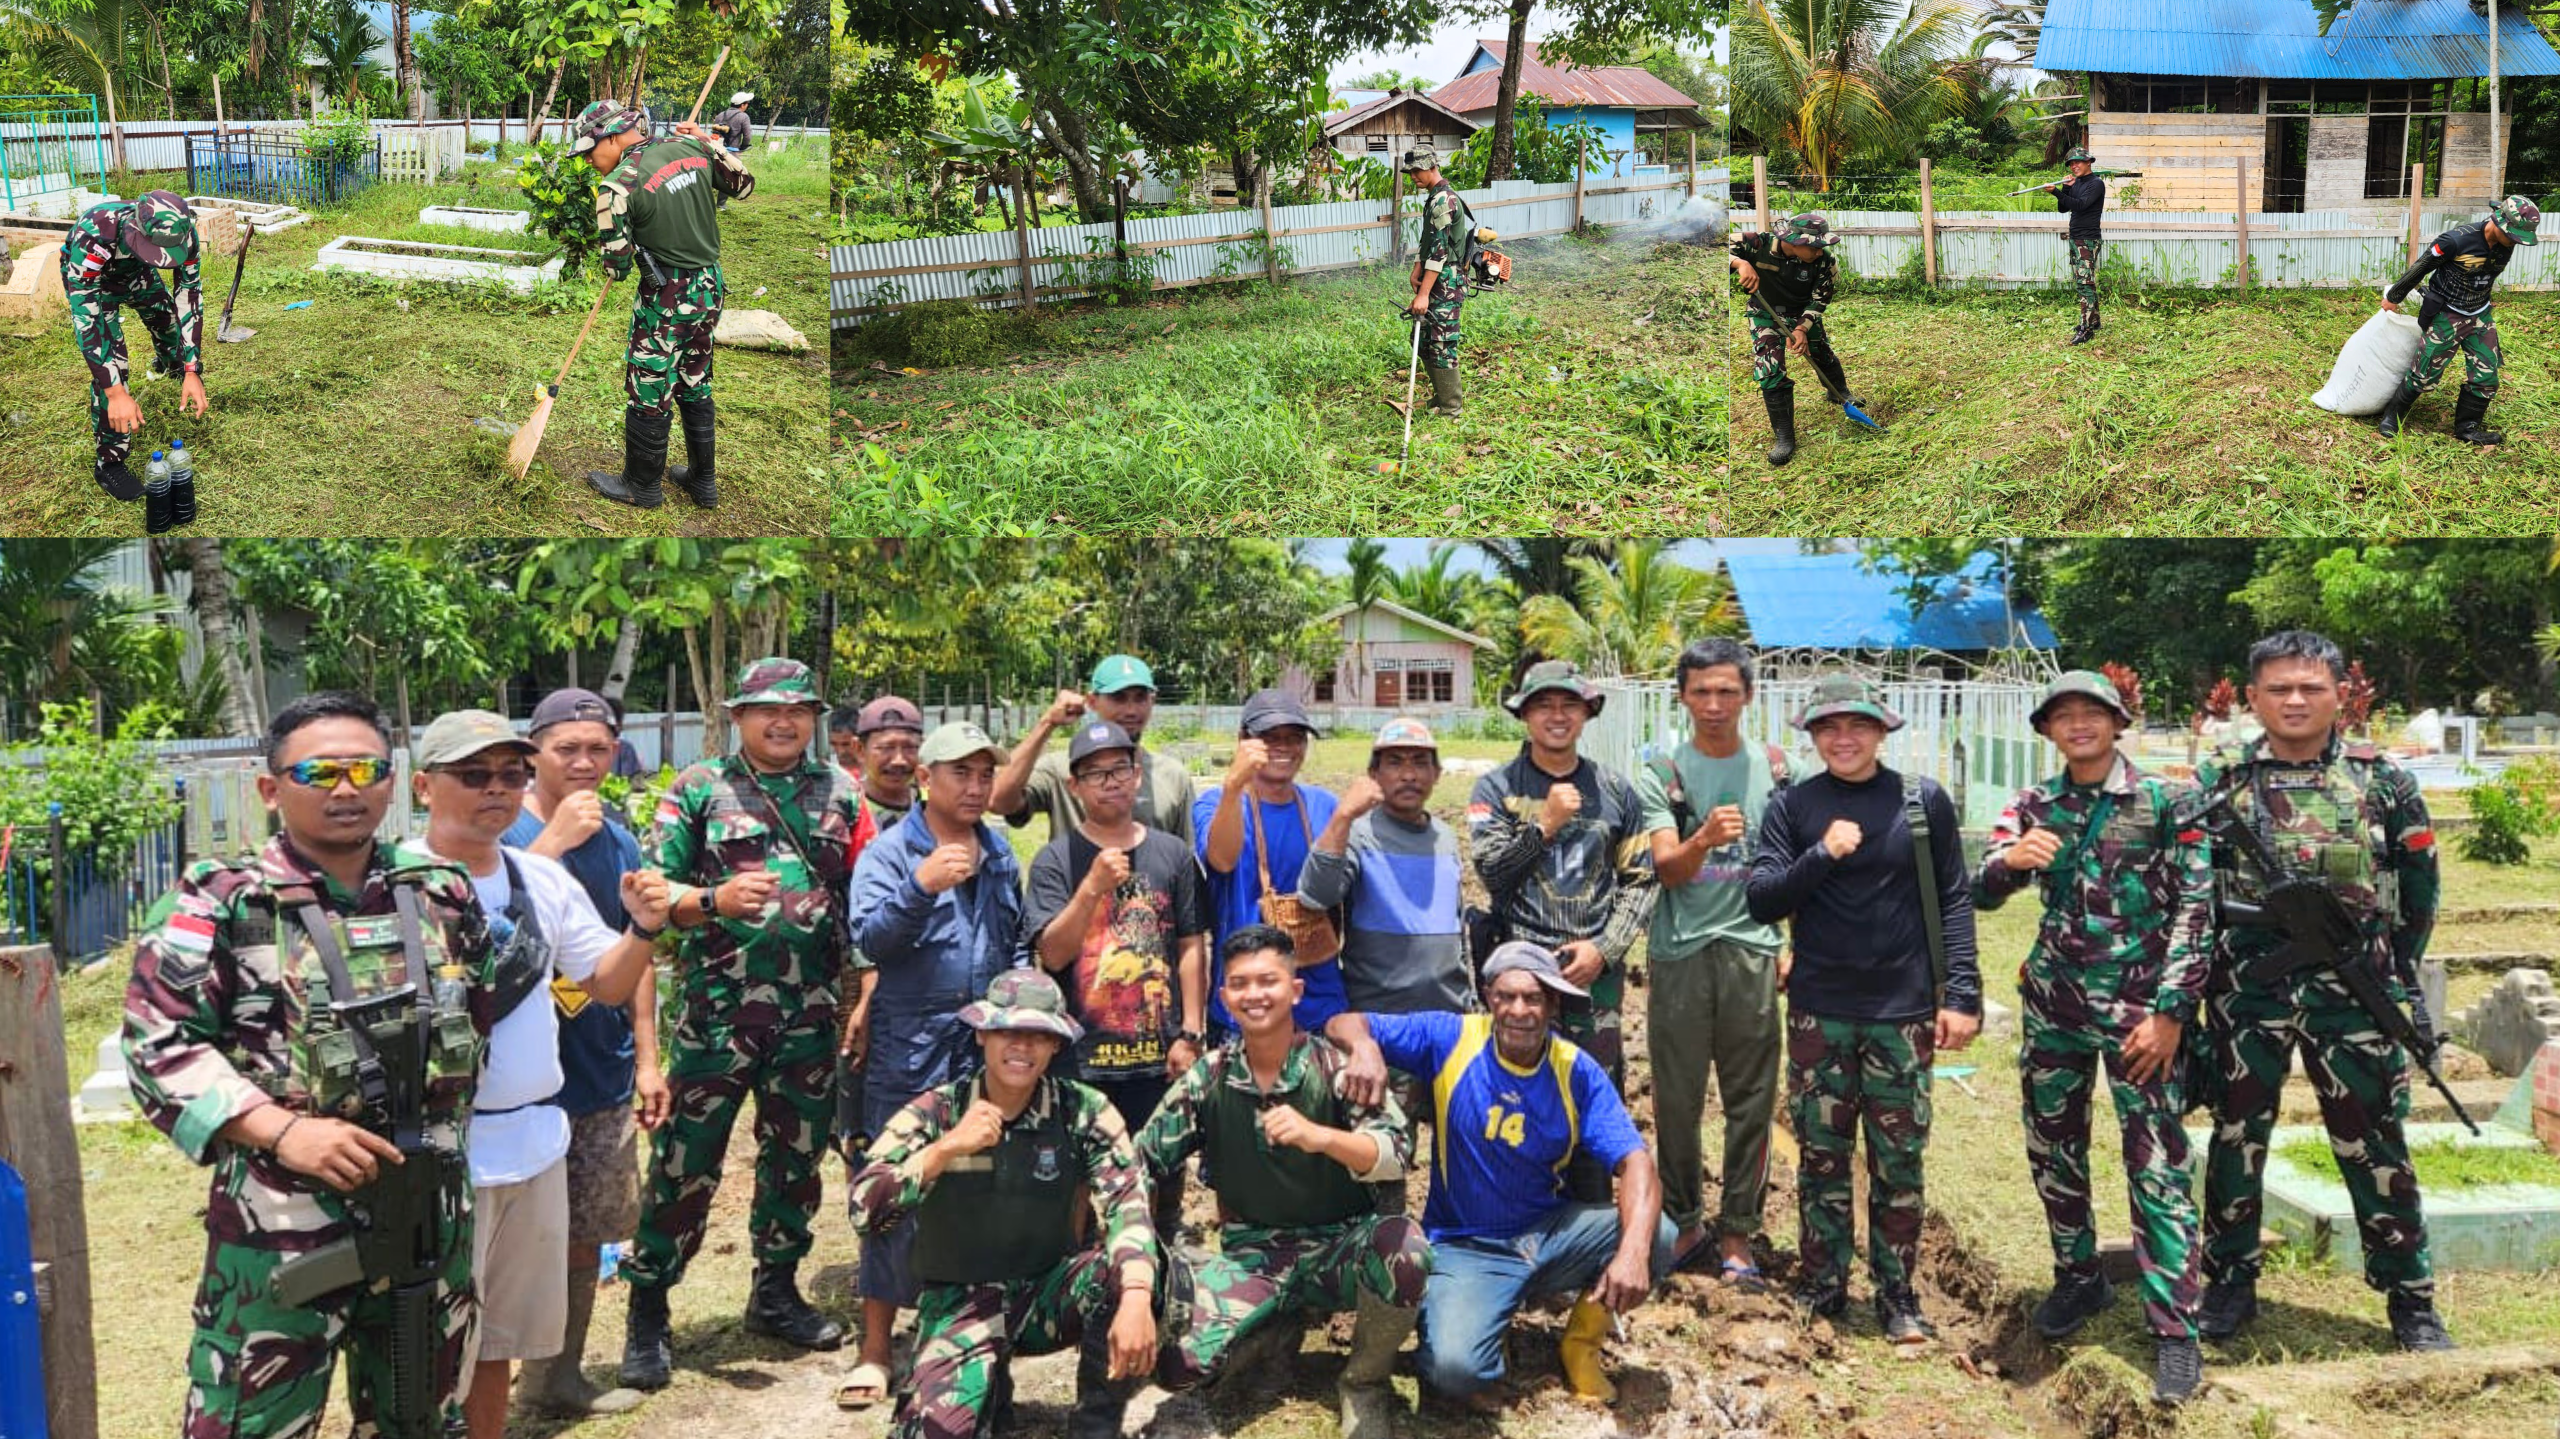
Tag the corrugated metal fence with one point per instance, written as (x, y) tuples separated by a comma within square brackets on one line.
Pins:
[(1220, 244), (1970, 736), (2321, 248)]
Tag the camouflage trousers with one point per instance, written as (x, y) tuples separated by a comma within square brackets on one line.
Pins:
[(2476, 336), (967, 1334), (712, 1068), (2361, 1079), (95, 319), (670, 354), (1844, 1076), (1769, 352), (2057, 1068), (1257, 1275), (2084, 277), (260, 1367), (1440, 324), (1599, 1027)]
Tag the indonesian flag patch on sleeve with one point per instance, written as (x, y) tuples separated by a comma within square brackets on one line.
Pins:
[(2419, 839), (190, 933)]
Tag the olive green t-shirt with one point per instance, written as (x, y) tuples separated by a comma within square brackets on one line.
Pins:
[(673, 205), (1710, 908)]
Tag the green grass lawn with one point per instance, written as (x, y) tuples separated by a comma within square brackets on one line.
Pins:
[(354, 415), (1589, 406), (2189, 414)]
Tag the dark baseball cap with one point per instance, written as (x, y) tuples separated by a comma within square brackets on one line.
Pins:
[(888, 712), (1096, 736), (1268, 710), (561, 706)]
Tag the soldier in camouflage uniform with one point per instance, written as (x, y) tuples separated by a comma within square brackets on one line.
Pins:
[(1790, 273), (2459, 268), (1439, 276), (1295, 1165), (993, 1170), (2343, 813), (112, 260), (768, 834), (2116, 971), (234, 1054), (655, 208)]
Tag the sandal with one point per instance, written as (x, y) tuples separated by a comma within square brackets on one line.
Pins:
[(865, 1377), (1742, 1273), (1690, 1254)]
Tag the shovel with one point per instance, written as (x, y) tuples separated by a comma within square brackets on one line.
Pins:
[(1847, 407), (231, 334)]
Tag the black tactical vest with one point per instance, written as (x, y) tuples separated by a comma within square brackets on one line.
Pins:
[(1008, 1212)]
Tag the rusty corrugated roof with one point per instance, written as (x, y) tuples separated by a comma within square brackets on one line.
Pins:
[(1622, 86), (2281, 40)]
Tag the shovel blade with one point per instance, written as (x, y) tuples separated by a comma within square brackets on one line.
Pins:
[(234, 334)]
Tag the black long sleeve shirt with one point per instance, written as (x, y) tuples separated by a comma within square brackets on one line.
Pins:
[(1861, 945), (2083, 200), (2464, 264), (1794, 288)]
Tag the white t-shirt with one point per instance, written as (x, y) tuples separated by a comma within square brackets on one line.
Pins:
[(522, 1068)]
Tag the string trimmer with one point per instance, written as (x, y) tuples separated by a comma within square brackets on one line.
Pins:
[(1412, 369)]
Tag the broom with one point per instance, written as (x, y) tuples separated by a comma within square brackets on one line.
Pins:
[(529, 438)]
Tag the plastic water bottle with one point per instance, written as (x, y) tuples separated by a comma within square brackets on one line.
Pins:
[(609, 1258), (182, 470), (155, 476)]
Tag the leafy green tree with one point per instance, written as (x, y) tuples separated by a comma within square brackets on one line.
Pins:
[(2168, 608), (2436, 620), (1544, 154), (1630, 615), (1593, 31), (1389, 79), (1830, 81), (67, 635)]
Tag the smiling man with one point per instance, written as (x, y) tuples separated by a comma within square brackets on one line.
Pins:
[(1034, 780), (1874, 992), (2116, 972), (763, 837)]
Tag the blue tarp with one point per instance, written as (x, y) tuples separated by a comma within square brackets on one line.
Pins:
[(2281, 40), (1828, 601)]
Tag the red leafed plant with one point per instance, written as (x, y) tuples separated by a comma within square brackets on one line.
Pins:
[(2218, 702), (2355, 697), (2128, 685)]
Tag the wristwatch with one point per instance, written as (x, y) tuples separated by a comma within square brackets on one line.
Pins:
[(1191, 1038), (644, 932)]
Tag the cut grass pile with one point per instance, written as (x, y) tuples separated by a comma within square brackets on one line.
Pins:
[(1592, 403), (354, 415), (2442, 1164), (2189, 414)]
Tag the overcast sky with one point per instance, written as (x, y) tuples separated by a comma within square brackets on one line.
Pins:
[(1438, 59)]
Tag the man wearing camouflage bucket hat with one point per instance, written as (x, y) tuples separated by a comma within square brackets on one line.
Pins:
[(2459, 268), (1863, 860), (765, 837), (2083, 197), (986, 1170), (655, 207), (1440, 275), (111, 261), (2116, 972), (1791, 273)]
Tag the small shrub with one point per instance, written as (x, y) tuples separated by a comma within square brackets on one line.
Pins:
[(2506, 813), (560, 191)]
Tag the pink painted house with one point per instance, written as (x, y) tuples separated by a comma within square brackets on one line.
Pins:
[(1394, 659)]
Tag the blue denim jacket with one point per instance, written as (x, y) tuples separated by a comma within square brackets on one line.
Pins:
[(934, 953)]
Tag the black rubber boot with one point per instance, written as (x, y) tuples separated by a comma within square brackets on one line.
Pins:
[(1102, 1403), (2177, 1368), (2081, 333), (644, 462), (2074, 1301), (156, 516), (119, 483), (648, 1350), (701, 485), (2415, 1326), (776, 1308), (2387, 424), (1782, 424), (182, 500), (2228, 1305), (2468, 412), (1827, 1301), (1835, 385)]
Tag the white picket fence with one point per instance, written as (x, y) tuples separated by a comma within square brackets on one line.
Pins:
[(1221, 244)]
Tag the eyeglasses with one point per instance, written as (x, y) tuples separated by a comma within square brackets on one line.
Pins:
[(365, 771), (479, 777), (1108, 775)]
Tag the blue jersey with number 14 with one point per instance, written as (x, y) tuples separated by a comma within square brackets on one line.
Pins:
[(1502, 1135)]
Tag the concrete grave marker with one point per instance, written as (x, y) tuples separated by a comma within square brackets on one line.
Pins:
[(454, 264)]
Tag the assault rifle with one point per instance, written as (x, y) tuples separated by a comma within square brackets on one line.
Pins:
[(2320, 933)]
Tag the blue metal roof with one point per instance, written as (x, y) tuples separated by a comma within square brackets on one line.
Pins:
[(1828, 601), (2281, 40)]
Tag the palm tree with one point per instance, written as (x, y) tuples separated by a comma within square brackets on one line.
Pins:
[(1538, 567), (64, 635), (2019, 22), (1432, 588), (1831, 79), (1631, 618), (342, 45), (90, 41)]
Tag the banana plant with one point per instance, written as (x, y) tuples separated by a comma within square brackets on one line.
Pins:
[(993, 141)]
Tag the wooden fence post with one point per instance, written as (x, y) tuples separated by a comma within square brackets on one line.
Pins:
[(1577, 195), (1760, 188), (1270, 234), (1022, 228), (2240, 183), (2417, 199), (1928, 227), (37, 1139), (1395, 215), (1693, 164)]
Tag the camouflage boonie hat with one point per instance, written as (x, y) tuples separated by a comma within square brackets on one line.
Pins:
[(1023, 999), (1555, 675), (775, 681), (1807, 229), (2079, 682), (1421, 157), (161, 231), (1846, 695), (2079, 152), (601, 121), (2518, 217)]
